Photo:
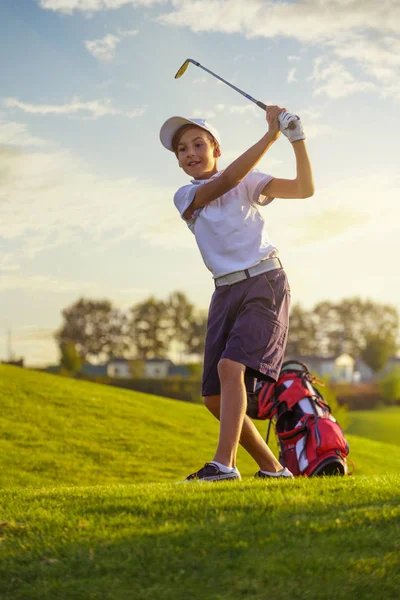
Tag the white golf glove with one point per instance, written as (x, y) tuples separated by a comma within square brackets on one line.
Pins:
[(291, 127)]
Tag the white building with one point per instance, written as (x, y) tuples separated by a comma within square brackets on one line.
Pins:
[(154, 368), (340, 369), (157, 368), (119, 368)]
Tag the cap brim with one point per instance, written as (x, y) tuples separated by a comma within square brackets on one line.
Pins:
[(170, 127)]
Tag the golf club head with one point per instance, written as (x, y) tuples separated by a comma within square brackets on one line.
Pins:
[(183, 68)]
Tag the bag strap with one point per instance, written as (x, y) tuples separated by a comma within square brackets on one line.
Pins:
[(352, 464), (269, 430)]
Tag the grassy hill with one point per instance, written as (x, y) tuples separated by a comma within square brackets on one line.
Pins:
[(88, 510), (57, 431), (382, 425)]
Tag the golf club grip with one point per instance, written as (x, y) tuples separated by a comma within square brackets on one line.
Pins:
[(292, 124)]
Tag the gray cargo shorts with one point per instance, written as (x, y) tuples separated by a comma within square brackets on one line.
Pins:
[(248, 323)]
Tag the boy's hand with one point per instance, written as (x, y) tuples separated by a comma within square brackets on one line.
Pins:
[(291, 127), (272, 114)]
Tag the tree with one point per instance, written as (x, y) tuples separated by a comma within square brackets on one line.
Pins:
[(378, 350), (150, 329), (71, 362), (302, 333), (363, 320), (97, 330), (330, 397), (197, 333), (180, 313), (188, 325), (137, 369), (390, 386), (346, 326), (329, 334)]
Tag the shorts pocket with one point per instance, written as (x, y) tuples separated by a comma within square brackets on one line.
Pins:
[(271, 293), (278, 281)]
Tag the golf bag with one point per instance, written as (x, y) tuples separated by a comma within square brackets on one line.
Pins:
[(310, 440)]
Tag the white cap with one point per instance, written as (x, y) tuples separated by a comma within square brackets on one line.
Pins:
[(172, 125)]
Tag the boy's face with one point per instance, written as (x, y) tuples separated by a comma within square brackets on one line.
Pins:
[(196, 154)]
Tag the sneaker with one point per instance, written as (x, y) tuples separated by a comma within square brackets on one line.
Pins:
[(284, 473), (211, 472)]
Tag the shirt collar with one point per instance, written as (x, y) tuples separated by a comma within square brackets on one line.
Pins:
[(200, 181)]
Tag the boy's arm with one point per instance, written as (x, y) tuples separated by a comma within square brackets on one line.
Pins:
[(237, 170), (302, 186)]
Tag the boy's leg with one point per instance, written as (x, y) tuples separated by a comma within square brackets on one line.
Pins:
[(250, 439), (232, 410)]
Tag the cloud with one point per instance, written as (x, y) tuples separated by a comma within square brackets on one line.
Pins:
[(335, 81), (16, 134), (379, 58), (243, 108), (392, 91), (362, 31), (104, 49), (305, 20), (313, 130), (291, 75), (347, 209), (226, 108), (128, 32), (7, 263), (68, 7), (92, 109), (329, 224), (203, 114), (43, 283), (62, 204)]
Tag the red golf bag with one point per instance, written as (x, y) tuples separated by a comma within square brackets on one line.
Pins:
[(310, 440)]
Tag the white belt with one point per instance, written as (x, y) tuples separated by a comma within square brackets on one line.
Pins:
[(268, 264)]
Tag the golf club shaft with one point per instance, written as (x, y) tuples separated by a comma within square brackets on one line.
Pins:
[(260, 104)]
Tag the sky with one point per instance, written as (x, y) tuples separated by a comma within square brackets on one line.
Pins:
[(86, 188)]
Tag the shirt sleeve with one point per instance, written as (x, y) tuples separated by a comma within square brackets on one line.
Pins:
[(183, 199), (255, 183)]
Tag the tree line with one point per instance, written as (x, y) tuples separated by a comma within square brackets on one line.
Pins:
[(149, 329), (362, 328), (98, 331)]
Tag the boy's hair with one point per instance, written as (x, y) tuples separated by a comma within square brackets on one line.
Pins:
[(179, 133)]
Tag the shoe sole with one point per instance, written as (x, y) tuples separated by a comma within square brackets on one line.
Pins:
[(273, 477), (220, 478), (216, 478)]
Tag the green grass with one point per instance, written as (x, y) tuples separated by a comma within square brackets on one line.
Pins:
[(88, 510), (313, 539), (382, 425), (57, 431)]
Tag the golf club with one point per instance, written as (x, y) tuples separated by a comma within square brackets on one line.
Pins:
[(185, 65)]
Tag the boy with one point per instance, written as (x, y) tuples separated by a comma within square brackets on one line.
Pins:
[(248, 317)]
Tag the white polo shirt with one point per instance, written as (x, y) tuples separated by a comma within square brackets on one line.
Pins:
[(230, 231)]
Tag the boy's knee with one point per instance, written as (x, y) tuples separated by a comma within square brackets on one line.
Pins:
[(228, 368)]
